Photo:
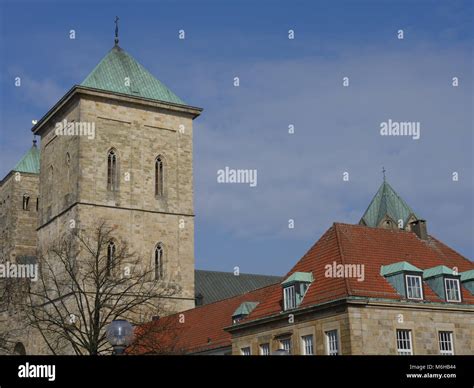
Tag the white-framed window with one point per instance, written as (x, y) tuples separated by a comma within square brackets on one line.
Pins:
[(446, 342), (453, 293), (404, 345), (289, 296), (414, 287), (332, 343), (265, 349), (308, 344), (286, 344), (246, 351)]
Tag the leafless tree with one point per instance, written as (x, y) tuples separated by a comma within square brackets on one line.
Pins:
[(84, 284)]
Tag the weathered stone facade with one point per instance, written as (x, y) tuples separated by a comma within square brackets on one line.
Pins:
[(74, 179), (18, 225), (72, 185)]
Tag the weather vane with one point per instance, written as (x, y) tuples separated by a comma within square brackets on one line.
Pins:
[(116, 30), (383, 172)]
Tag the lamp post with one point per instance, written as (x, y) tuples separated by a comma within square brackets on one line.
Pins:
[(119, 334)]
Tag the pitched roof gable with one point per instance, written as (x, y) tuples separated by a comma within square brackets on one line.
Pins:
[(372, 248)]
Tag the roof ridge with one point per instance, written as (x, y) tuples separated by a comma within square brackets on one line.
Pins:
[(341, 253), (240, 273), (222, 300)]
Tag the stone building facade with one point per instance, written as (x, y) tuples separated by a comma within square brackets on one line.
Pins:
[(116, 148), (368, 289)]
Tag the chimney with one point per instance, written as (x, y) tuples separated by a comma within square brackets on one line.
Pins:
[(419, 228), (199, 300)]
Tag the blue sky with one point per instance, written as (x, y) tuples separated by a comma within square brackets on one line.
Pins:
[(282, 82)]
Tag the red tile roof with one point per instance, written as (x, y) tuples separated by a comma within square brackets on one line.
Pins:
[(196, 330), (203, 327), (373, 247)]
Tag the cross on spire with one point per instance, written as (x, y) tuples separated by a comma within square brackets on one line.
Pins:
[(116, 30), (383, 172)]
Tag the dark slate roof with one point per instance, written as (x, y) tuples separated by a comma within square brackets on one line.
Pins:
[(116, 66), (215, 286)]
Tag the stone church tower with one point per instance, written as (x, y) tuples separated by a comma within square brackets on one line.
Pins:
[(119, 147)]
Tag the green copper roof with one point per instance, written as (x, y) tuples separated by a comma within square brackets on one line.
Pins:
[(306, 277), (437, 271), (117, 68), (245, 308), (467, 275), (394, 268), (30, 162), (386, 202)]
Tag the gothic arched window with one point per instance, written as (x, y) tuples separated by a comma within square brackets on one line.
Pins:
[(112, 170), (159, 177), (26, 202), (158, 261)]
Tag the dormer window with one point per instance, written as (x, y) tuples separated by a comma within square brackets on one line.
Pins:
[(414, 287), (243, 311), (453, 292), (289, 296), (294, 289), (405, 278)]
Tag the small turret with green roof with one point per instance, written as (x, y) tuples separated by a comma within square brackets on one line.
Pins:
[(388, 210), (30, 162)]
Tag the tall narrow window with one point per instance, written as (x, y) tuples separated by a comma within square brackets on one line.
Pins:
[(68, 168), (245, 351), (37, 203), (404, 345), (286, 344), (289, 297), (50, 186), (159, 178), (110, 257), (265, 349), (308, 346), (159, 262), (446, 342), (332, 343), (26, 202), (112, 171)]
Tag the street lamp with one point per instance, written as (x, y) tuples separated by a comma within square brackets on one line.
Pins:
[(120, 335)]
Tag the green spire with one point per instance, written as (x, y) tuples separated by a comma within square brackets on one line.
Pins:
[(386, 203), (120, 73), (30, 162)]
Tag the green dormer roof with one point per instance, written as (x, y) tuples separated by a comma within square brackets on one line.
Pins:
[(386, 202), (305, 277), (118, 67), (437, 271), (245, 308), (467, 275), (401, 266), (30, 162)]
